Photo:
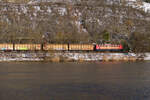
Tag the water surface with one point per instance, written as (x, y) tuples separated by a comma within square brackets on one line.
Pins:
[(75, 81)]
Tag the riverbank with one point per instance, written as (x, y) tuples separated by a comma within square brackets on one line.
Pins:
[(71, 56)]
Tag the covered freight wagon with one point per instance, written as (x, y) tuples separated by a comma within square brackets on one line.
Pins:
[(6, 47), (56, 47), (24, 47), (81, 47)]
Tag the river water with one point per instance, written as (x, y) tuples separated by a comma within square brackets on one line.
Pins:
[(75, 81)]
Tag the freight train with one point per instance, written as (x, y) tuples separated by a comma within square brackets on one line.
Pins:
[(62, 47)]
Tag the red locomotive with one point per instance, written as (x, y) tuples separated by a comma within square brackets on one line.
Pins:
[(108, 47)]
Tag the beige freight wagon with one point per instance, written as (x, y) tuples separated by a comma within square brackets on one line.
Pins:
[(86, 47), (56, 47), (24, 47), (5, 47)]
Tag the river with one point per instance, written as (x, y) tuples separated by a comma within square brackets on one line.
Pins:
[(75, 81)]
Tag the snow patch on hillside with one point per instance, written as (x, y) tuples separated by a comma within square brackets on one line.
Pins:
[(146, 6), (134, 3), (140, 5)]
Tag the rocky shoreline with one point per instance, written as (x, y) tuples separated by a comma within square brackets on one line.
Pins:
[(71, 56)]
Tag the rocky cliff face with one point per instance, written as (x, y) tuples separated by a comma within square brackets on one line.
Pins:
[(75, 22)]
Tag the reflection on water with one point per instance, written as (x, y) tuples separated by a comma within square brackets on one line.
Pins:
[(75, 81)]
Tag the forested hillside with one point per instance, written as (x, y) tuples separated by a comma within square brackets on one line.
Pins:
[(147, 1), (66, 21)]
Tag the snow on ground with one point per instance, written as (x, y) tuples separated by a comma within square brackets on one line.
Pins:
[(74, 56), (146, 6), (140, 5), (147, 56), (134, 3)]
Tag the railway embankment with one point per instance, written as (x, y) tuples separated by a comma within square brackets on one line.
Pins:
[(71, 56)]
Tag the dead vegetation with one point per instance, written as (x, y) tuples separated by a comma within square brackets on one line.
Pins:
[(93, 21)]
